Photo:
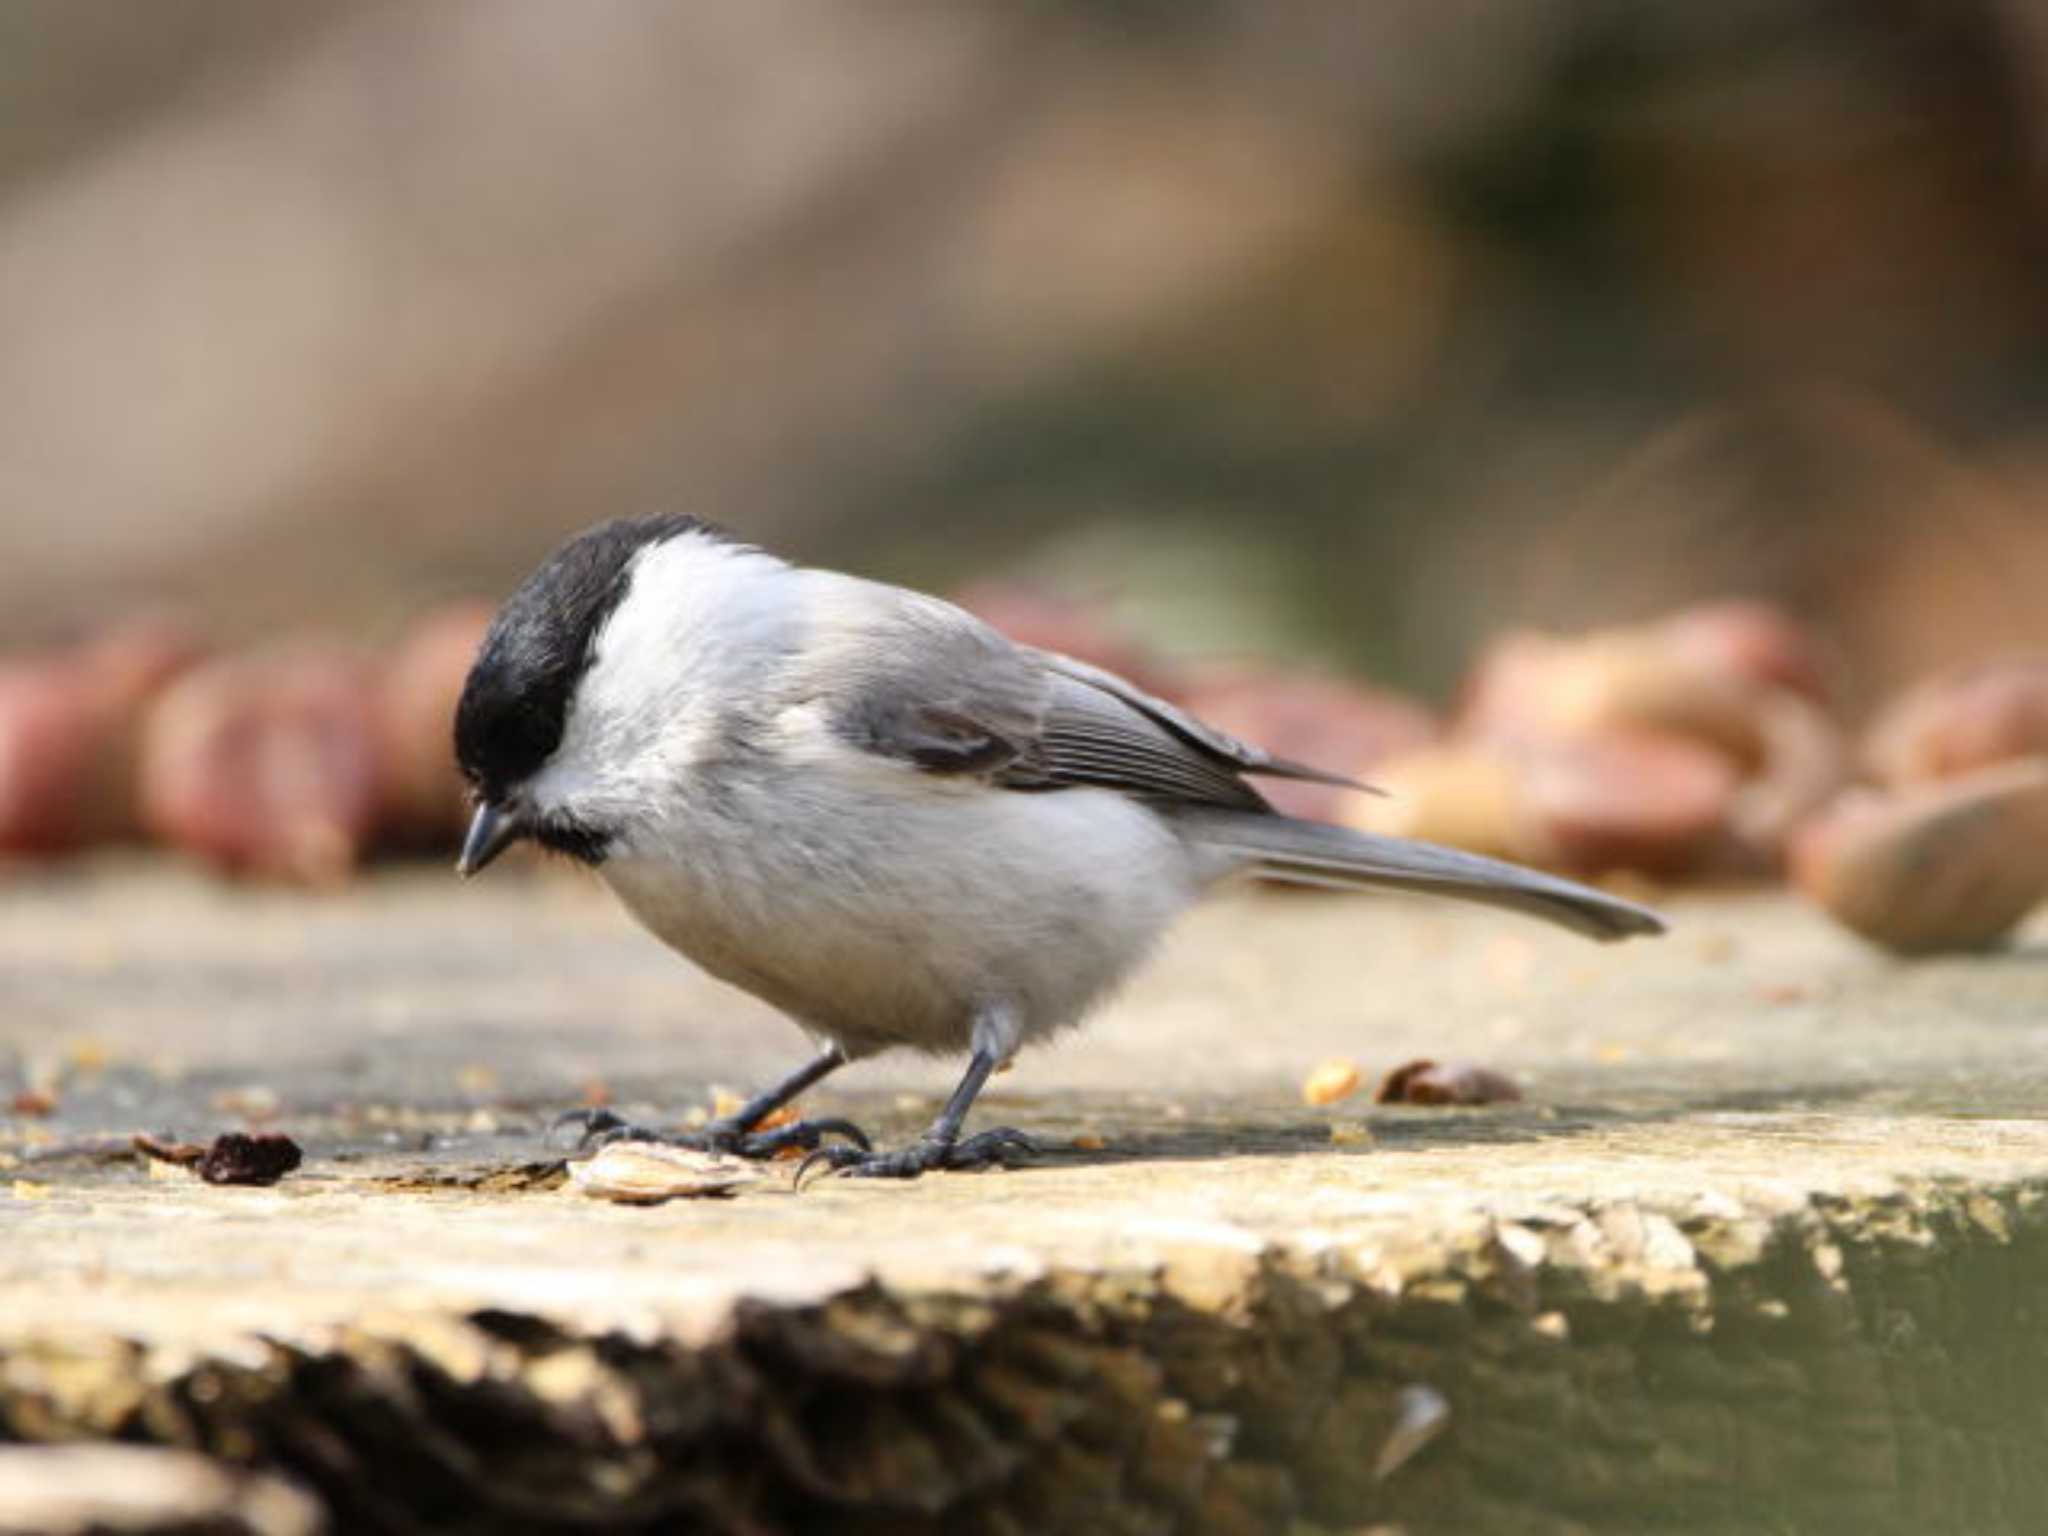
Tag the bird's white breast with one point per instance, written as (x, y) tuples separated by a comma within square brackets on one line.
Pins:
[(880, 916)]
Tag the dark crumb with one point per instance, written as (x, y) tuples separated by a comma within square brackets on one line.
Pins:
[(33, 1101), (236, 1158), (1446, 1082), (240, 1158)]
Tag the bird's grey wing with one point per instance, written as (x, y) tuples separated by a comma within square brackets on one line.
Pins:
[(920, 681), (928, 684), (1093, 735), (1201, 738)]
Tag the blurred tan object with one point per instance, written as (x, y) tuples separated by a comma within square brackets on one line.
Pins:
[(1330, 1081), (266, 764), (1954, 865), (69, 723), (1592, 801), (1531, 685), (1467, 795), (421, 792), (1327, 722), (1734, 679), (1962, 720)]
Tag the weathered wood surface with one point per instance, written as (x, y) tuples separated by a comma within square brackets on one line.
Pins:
[(1765, 1248)]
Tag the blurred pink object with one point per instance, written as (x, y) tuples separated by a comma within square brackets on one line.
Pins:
[(1623, 799), (1738, 680), (52, 736), (1594, 801), (423, 798), (266, 764), (1529, 685), (69, 722), (1747, 638), (1962, 720), (1805, 764)]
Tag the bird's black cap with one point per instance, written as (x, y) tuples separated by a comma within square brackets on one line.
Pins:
[(516, 701)]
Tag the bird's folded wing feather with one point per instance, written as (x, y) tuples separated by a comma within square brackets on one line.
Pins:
[(1241, 756), (939, 690)]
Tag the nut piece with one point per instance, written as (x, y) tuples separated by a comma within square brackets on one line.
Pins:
[(1948, 866), (649, 1172), (1963, 720), (1333, 1080), (1447, 1082)]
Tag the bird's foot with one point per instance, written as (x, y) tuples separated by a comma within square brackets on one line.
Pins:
[(989, 1149), (600, 1128)]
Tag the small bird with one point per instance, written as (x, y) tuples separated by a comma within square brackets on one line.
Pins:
[(868, 808)]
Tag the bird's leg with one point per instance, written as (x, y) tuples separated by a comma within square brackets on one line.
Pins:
[(940, 1146), (732, 1133)]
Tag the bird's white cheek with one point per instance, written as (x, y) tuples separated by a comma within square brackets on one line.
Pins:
[(556, 788)]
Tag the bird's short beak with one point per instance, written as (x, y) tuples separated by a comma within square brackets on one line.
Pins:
[(491, 831)]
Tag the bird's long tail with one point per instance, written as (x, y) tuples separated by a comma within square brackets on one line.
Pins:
[(1312, 853)]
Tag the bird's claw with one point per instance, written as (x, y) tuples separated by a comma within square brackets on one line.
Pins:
[(596, 1128), (992, 1148), (600, 1128), (806, 1135)]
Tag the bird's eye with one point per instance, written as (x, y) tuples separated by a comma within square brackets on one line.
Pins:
[(565, 834)]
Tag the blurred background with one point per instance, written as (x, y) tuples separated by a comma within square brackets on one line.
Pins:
[(1346, 333)]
